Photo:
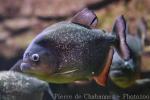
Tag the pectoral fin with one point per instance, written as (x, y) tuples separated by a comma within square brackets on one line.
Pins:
[(102, 78)]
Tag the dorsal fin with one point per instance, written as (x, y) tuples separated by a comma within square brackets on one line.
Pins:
[(86, 18), (120, 29)]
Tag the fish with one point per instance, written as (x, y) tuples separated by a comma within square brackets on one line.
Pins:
[(125, 73), (75, 50)]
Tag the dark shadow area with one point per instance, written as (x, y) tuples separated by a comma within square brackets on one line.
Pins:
[(6, 64), (101, 4)]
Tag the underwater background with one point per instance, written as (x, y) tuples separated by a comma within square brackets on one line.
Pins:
[(22, 20)]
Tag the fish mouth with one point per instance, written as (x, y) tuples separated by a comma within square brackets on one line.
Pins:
[(121, 78), (116, 73), (25, 67)]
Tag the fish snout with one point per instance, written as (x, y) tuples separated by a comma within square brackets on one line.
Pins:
[(24, 67)]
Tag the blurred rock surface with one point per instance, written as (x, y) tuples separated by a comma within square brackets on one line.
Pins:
[(16, 86)]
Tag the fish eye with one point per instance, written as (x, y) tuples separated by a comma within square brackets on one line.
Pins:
[(35, 57)]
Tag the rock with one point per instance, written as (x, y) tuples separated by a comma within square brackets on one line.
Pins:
[(54, 8), (18, 25), (59, 7), (10, 8), (3, 35), (16, 86)]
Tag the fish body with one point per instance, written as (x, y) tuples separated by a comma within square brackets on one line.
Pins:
[(125, 73), (73, 50)]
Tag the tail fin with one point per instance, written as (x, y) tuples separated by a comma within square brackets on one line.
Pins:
[(120, 30)]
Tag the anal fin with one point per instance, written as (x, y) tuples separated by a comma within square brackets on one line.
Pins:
[(102, 78)]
